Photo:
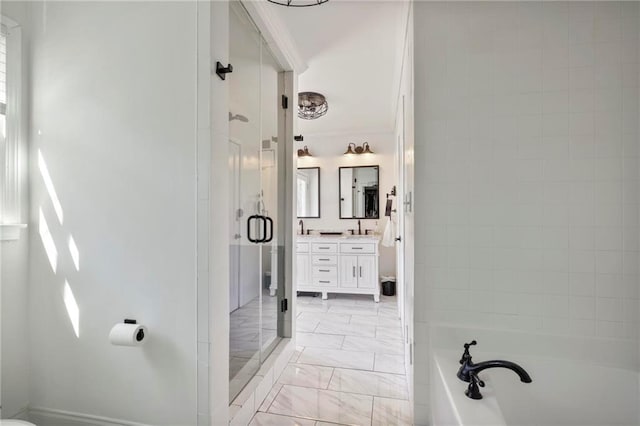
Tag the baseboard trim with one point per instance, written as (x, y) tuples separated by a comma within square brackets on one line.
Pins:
[(23, 414), (52, 417)]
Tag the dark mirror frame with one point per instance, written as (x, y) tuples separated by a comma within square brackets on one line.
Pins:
[(377, 216), (319, 198)]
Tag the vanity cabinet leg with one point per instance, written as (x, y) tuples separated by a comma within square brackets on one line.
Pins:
[(325, 295), (376, 298)]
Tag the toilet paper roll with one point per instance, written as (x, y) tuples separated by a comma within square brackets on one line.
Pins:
[(128, 335)]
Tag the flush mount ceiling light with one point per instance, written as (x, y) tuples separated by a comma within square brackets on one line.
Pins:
[(304, 152), (311, 105), (352, 148), (298, 3)]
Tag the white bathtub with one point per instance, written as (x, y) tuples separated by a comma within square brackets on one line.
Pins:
[(563, 392)]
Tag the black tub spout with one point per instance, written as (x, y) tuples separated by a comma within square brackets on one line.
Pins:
[(468, 372)]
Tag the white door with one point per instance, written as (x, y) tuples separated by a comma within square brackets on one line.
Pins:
[(348, 271), (366, 272), (235, 229)]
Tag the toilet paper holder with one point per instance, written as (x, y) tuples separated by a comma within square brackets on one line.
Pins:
[(140, 334)]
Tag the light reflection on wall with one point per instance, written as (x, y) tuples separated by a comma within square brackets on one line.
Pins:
[(75, 255), (47, 242), (72, 308), (48, 183), (73, 311)]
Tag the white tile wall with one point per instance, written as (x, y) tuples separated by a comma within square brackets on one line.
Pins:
[(528, 154), (526, 159)]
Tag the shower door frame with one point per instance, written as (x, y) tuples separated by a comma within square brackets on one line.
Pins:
[(213, 213)]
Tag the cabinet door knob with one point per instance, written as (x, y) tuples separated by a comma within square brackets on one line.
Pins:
[(398, 238)]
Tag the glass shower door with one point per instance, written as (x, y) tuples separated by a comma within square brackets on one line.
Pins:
[(245, 152), (255, 185)]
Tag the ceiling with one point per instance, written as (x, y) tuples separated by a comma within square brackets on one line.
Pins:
[(353, 50)]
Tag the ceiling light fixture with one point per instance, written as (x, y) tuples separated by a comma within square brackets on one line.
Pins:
[(352, 148), (311, 105), (298, 3)]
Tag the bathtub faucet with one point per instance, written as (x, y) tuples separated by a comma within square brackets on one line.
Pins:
[(469, 371)]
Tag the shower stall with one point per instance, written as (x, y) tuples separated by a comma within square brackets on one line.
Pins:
[(256, 175)]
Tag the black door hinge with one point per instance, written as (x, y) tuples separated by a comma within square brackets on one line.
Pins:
[(284, 305), (285, 102)]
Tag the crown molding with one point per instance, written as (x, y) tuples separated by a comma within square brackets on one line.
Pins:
[(351, 133), (277, 35)]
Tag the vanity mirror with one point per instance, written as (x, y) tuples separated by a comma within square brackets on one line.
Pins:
[(359, 193), (308, 188)]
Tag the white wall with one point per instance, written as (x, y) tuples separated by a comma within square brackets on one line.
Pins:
[(327, 151), (113, 113), (14, 374), (527, 158)]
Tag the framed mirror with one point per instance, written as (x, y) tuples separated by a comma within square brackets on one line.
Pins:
[(359, 192), (308, 188)]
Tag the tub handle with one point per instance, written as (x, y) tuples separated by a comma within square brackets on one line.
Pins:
[(466, 356), (472, 343)]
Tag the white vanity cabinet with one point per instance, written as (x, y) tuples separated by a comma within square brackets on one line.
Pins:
[(303, 266), (338, 265)]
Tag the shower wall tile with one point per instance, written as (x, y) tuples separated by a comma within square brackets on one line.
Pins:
[(527, 158)]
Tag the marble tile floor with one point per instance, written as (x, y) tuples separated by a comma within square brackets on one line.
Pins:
[(348, 368)]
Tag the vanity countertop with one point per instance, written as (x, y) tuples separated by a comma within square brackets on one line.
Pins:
[(343, 237)]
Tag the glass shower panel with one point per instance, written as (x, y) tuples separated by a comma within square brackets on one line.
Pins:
[(271, 177), (248, 223)]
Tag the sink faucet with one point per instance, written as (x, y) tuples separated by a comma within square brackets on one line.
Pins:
[(301, 223), (359, 228), (469, 371)]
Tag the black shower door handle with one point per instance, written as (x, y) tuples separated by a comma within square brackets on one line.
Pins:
[(250, 219), (268, 220)]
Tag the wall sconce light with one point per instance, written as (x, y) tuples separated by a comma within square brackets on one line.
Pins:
[(352, 148), (304, 152)]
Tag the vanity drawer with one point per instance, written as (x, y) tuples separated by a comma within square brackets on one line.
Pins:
[(324, 259), (357, 248), (325, 282), (324, 247), (325, 271), (302, 247)]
